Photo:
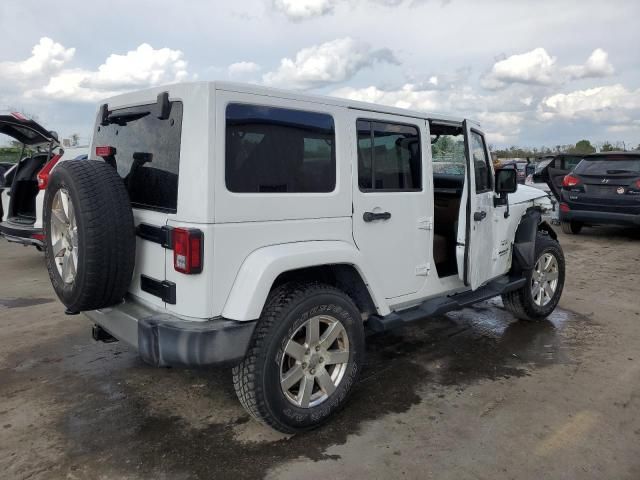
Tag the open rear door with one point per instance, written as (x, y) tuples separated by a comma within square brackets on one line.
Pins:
[(475, 221)]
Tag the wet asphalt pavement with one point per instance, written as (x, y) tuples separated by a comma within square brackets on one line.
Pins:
[(471, 394)]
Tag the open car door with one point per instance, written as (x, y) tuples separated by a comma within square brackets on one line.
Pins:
[(475, 230), (552, 170)]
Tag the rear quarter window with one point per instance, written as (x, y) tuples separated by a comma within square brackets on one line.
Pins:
[(147, 153), (279, 150)]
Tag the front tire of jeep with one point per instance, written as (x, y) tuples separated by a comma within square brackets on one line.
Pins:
[(304, 358), (541, 294)]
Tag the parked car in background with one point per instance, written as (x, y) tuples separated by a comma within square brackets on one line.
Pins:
[(603, 188), (22, 186)]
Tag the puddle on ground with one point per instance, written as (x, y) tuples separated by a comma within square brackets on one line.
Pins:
[(126, 418), (23, 302)]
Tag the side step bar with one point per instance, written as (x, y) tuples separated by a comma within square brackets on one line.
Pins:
[(440, 305)]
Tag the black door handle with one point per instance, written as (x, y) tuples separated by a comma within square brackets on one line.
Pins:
[(479, 216), (371, 216)]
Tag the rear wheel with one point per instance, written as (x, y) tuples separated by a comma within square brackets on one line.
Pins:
[(541, 294), (304, 358), (572, 227)]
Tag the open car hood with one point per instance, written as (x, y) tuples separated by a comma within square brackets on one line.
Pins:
[(25, 130)]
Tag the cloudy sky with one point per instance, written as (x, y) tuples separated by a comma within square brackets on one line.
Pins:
[(532, 72)]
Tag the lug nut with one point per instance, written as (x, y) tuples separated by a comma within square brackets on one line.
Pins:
[(312, 372), (304, 365), (318, 348), (321, 359)]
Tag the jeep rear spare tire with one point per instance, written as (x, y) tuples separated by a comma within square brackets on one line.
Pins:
[(89, 234)]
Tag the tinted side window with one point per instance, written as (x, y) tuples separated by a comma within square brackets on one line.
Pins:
[(480, 163), (389, 156), (147, 153), (275, 150)]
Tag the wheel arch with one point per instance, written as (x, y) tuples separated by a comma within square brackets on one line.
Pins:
[(334, 262)]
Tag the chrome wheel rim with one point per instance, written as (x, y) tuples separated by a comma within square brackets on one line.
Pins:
[(544, 280), (314, 361), (64, 236)]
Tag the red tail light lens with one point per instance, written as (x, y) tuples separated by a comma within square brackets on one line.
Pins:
[(637, 184), (43, 175), (570, 181), (564, 208), (187, 250), (105, 151)]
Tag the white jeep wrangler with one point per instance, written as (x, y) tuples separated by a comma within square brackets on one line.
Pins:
[(267, 230)]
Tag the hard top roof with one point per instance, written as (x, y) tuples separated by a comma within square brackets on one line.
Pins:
[(304, 97)]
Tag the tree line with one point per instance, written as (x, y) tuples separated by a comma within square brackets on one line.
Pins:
[(583, 147)]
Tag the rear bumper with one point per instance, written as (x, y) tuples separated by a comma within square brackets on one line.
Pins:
[(603, 218), (164, 340), (22, 234)]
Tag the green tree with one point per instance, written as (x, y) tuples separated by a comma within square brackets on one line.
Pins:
[(607, 147), (583, 147)]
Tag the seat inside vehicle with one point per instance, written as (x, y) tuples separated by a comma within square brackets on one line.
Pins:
[(448, 153)]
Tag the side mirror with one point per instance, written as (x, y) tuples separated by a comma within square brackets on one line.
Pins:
[(506, 181)]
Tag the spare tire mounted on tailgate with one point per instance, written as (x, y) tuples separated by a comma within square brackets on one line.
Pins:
[(89, 235)]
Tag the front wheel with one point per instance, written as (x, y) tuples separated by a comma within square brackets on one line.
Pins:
[(541, 294), (304, 357)]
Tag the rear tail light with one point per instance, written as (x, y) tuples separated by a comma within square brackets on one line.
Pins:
[(187, 250), (43, 175), (564, 208), (637, 184), (570, 181), (105, 151), (38, 236)]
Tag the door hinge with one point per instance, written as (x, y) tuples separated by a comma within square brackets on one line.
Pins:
[(423, 270), (425, 223)]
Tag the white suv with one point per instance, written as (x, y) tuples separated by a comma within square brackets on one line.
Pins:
[(263, 229)]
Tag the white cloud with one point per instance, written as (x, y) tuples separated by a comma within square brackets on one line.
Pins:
[(328, 63), (47, 57), (406, 97), (499, 126), (535, 67), (597, 65), (239, 69), (297, 10), (607, 104), (139, 68)]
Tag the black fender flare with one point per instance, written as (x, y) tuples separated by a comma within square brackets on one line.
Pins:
[(525, 239)]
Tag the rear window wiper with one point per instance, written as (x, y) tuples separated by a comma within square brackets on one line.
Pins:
[(123, 118)]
